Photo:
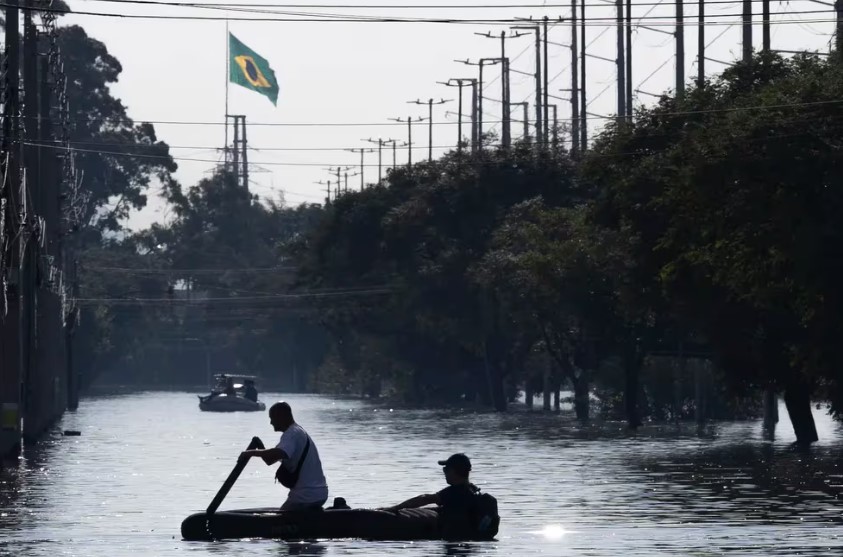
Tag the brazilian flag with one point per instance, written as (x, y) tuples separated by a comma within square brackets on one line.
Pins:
[(249, 70)]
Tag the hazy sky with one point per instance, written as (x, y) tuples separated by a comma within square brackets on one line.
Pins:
[(364, 74)]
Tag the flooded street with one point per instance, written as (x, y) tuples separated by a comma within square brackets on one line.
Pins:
[(146, 461)]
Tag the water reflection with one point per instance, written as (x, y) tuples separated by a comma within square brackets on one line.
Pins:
[(457, 549), (124, 486), (305, 549)]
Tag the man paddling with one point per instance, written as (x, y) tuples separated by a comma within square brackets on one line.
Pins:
[(301, 468)]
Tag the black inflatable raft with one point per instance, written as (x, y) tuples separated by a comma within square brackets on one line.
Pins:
[(407, 524)]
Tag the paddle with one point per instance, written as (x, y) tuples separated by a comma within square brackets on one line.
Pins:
[(229, 481)]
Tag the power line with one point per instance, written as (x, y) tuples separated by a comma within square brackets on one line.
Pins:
[(394, 6), (209, 148), (236, 299), (326, 18), (194, 270), (441, 122)]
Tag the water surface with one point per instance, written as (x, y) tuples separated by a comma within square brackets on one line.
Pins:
[(145, 461)]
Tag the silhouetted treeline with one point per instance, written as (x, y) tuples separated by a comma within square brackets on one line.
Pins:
[(692, 256)]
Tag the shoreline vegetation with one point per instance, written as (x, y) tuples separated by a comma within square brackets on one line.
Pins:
[(686, 267)]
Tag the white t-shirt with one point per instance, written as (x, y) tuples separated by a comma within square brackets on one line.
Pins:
[(311, 487)]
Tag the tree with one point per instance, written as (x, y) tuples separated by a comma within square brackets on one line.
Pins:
[(727, 192)]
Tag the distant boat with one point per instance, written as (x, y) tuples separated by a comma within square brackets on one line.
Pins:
[(231, 395)]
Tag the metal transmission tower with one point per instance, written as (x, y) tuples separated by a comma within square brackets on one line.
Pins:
[(506, 138), (481, 64), (459, 83), (409, 120), (430, 103), (362, 165), (237, 157)]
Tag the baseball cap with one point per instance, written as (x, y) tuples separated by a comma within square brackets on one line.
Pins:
[(458, 462)]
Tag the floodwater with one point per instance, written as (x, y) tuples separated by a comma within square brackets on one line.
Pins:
[(145, 461)]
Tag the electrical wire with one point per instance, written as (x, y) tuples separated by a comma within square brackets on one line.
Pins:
[(608, 22)]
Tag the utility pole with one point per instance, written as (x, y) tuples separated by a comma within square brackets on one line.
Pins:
[(29, 195), (327, 189), (701, 43), (541, 137), (747, 30), (546, 78), (459, 83), (526, 106), (628, 52), (505, 100), (362, 152), (479, 115), (394, 143), (235, 157), (621, 62), (379, 142), (575, 86), (583, 99), (680, 48), (409, 121), (430, 103), (339, 172), (765, 29), (245, 146), (11, 384), (555, 130), (838, 6)]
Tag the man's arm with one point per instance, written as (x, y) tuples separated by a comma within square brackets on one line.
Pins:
[(416, 502), (270, 456)]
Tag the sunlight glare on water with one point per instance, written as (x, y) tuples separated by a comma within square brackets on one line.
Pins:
[(145, 461)]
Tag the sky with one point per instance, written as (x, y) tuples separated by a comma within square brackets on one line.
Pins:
[(351, 78)]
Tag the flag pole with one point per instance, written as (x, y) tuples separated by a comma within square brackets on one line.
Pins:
[(227, 76)]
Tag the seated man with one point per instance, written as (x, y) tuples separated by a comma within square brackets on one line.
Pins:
[(457, 502), (249, 390), (229, 387)]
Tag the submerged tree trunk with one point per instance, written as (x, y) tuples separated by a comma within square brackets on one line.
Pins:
[(581, 401), (494, 377), (557, 403), (528, 393), (632, 370), (771, 409), (797, 399)]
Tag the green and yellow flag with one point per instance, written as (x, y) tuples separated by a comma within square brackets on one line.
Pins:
[(249, 70)]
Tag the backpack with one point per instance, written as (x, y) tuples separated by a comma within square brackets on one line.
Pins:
[(486, 518)]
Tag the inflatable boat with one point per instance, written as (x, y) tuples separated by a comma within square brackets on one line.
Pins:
[(368, 524)]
